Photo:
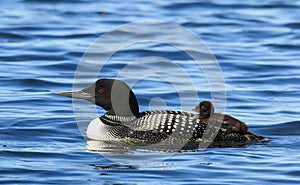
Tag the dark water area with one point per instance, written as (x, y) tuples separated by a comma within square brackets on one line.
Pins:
[(42, 42)]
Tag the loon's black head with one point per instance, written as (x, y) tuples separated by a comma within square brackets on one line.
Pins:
[(114, 96), (205, 109)]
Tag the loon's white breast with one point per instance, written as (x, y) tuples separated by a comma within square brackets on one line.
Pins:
[(94, 129), (97, 130)]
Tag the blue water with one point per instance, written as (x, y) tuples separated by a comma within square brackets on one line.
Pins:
[(42, 42)]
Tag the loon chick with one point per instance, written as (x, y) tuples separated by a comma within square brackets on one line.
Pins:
[(207, 112), (123, 120)]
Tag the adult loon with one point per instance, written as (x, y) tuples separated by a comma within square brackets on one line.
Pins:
[(123, 120)]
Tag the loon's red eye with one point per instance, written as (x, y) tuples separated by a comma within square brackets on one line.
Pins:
[(101, 90)]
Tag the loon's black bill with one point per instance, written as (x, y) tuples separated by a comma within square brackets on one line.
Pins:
[(76, 94)]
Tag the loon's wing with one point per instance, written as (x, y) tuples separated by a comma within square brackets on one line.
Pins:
[(175, 124)]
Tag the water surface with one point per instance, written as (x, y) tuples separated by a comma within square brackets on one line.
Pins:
[(256, 45)]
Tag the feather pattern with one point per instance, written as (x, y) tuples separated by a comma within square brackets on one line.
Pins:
[(155, 126)]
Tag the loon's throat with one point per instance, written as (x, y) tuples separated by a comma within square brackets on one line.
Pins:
[(120, 119)]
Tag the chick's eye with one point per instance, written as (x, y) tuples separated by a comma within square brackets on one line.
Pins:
[(101, 90)]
